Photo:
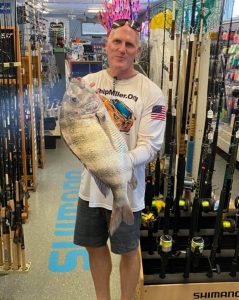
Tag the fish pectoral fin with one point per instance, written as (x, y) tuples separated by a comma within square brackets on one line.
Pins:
[(133, 181), (101, 185), (120, 214)]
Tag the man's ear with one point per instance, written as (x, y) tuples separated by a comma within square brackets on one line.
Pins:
[(138, 53)]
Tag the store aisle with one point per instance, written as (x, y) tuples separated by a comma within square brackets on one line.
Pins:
[(59, 270)]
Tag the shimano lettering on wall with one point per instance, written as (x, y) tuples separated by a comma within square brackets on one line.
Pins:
[(66, 256), (230, 295)]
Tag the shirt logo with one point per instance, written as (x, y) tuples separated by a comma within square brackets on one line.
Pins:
[(158, 112)]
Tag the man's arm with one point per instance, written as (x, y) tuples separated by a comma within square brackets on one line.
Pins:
[(151, 132)]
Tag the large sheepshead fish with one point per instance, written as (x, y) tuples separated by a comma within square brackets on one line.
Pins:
[(93, 137)]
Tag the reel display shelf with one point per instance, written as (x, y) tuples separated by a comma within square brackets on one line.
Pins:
[(163, 274)]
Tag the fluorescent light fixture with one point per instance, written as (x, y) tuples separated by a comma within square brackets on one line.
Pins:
[(93, 10)]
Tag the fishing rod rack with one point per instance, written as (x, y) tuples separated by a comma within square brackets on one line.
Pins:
[(33, 114), (167, 269), (200, 268), (13, 189), (188, 235)]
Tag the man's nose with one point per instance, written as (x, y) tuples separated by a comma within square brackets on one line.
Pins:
[(122, 48)]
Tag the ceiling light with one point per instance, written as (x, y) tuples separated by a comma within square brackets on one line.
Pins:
[(93, 10)]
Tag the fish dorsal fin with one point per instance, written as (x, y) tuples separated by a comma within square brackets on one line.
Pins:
[(101, 185)]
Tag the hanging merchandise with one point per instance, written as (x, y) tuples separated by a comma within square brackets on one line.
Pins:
[(32, 37), (57, 34)]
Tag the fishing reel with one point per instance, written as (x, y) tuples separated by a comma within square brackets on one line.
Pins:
[(207, 204), (184, 204), (158, 205), (229, 225), (149, 220), (197, 247), (165, 244), (164, 250), (236, 202), (189, 184)]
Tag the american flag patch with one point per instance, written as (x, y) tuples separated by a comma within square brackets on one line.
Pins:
[(158, 113)]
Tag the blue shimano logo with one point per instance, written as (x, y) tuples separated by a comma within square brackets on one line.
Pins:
[(65, 256)]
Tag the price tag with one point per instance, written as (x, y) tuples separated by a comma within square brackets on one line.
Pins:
[(210, 135), (210, 114), (237, 134)]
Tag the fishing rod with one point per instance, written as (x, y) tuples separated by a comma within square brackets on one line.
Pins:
[(182, 143), (157, 176), (169, 120), (208, 138), (165, 245), (149, 219), (176, 110), (194, 93), (195, 243), (234, 264), (207, 182), (169, 137), (6, 155), (225, 194), (164, 37)]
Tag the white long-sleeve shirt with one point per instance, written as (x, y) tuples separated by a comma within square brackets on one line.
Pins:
[(138, 107)]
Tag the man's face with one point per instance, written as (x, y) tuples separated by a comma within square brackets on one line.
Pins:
[(122, 47)]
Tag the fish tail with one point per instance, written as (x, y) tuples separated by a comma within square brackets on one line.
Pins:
[(120, 214)]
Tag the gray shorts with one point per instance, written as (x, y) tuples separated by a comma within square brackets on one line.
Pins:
[(91, 229)]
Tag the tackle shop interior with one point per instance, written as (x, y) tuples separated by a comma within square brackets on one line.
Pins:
[(189, 239)]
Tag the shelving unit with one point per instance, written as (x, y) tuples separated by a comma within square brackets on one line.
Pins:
[(82, 68)]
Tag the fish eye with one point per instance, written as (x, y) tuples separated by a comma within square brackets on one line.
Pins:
[(73, 99)]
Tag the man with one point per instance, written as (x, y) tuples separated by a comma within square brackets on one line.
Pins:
[(137, 106)]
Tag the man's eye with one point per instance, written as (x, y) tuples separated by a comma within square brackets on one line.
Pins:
[(129, 45)]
